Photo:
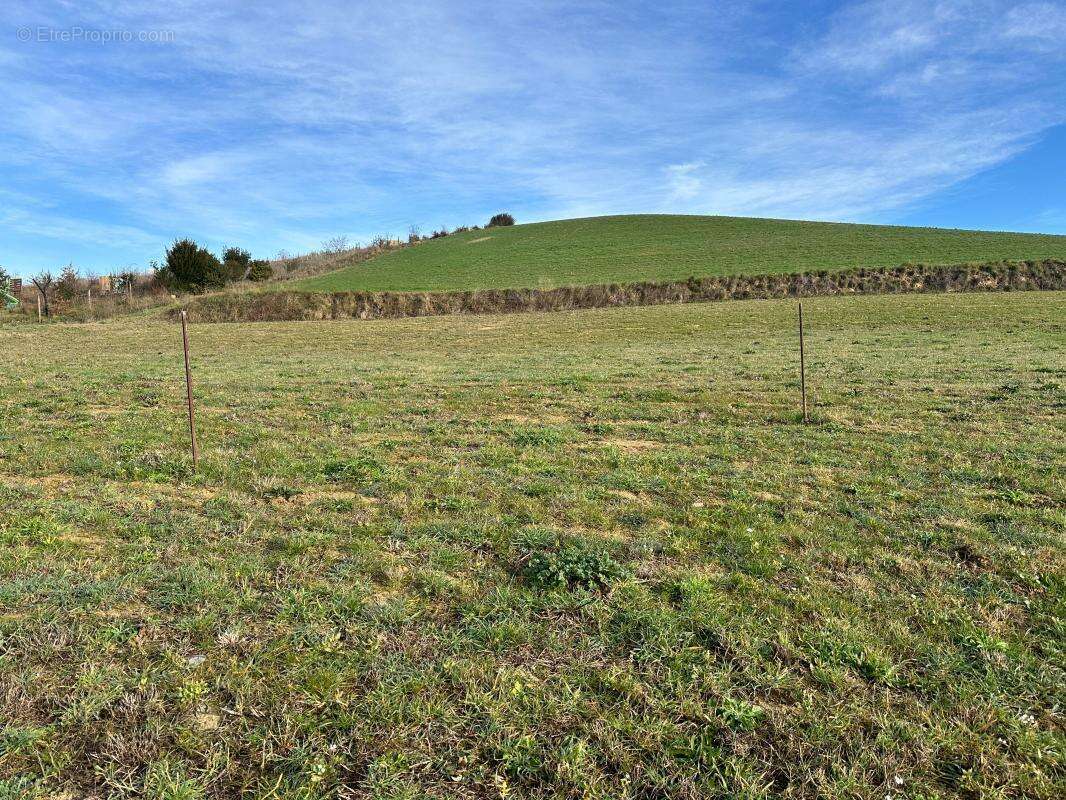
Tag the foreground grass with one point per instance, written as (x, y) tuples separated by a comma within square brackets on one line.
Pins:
[(627, 249), (365, 592)]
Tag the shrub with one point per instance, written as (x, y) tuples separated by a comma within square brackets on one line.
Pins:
[(501, 220), (572, 564), (124, 282), (236, 263), (191, 268), (68, 284), (236, 254), (260, 270)]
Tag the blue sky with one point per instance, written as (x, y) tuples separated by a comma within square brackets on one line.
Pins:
[(277, 125)]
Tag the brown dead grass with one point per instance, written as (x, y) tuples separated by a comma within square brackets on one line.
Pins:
[(309, 306)]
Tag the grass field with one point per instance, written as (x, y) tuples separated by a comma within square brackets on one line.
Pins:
[(626, 249), (588, 555)]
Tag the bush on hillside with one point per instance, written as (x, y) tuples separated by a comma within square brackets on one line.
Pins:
[(500, 221), (260, 270), (191, 268), (236, 263)]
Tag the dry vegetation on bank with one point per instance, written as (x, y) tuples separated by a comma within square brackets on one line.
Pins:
[(292, 306)]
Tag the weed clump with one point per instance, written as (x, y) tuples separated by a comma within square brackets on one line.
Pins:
[(156, 466), (362, 469), (572, 565)]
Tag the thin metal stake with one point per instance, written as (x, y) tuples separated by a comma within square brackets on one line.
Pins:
[(188, 390), (803, 368)]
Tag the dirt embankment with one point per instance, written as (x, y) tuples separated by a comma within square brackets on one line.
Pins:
[(291, 305)]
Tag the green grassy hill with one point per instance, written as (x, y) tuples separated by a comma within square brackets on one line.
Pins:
[(625, 249)]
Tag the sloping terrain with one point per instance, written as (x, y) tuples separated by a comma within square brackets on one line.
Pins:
[(626, 249)]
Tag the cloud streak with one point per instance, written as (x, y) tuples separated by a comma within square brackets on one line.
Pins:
[(280, 126)]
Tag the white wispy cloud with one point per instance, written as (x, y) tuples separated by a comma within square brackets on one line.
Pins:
[(1044, 22), (684, 180), (282, 124)]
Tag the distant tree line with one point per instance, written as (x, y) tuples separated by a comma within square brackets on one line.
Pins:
[(188, 267), (67, 287)]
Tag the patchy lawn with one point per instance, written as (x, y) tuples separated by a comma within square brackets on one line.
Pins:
[(583, 554)]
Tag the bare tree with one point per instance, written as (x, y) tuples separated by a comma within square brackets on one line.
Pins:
[(337, 244), (44, 281)]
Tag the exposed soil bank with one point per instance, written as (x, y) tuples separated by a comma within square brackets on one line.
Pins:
[(291, 305)]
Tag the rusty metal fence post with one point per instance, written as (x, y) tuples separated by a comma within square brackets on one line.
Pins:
[(803, 369), (188, 391)]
